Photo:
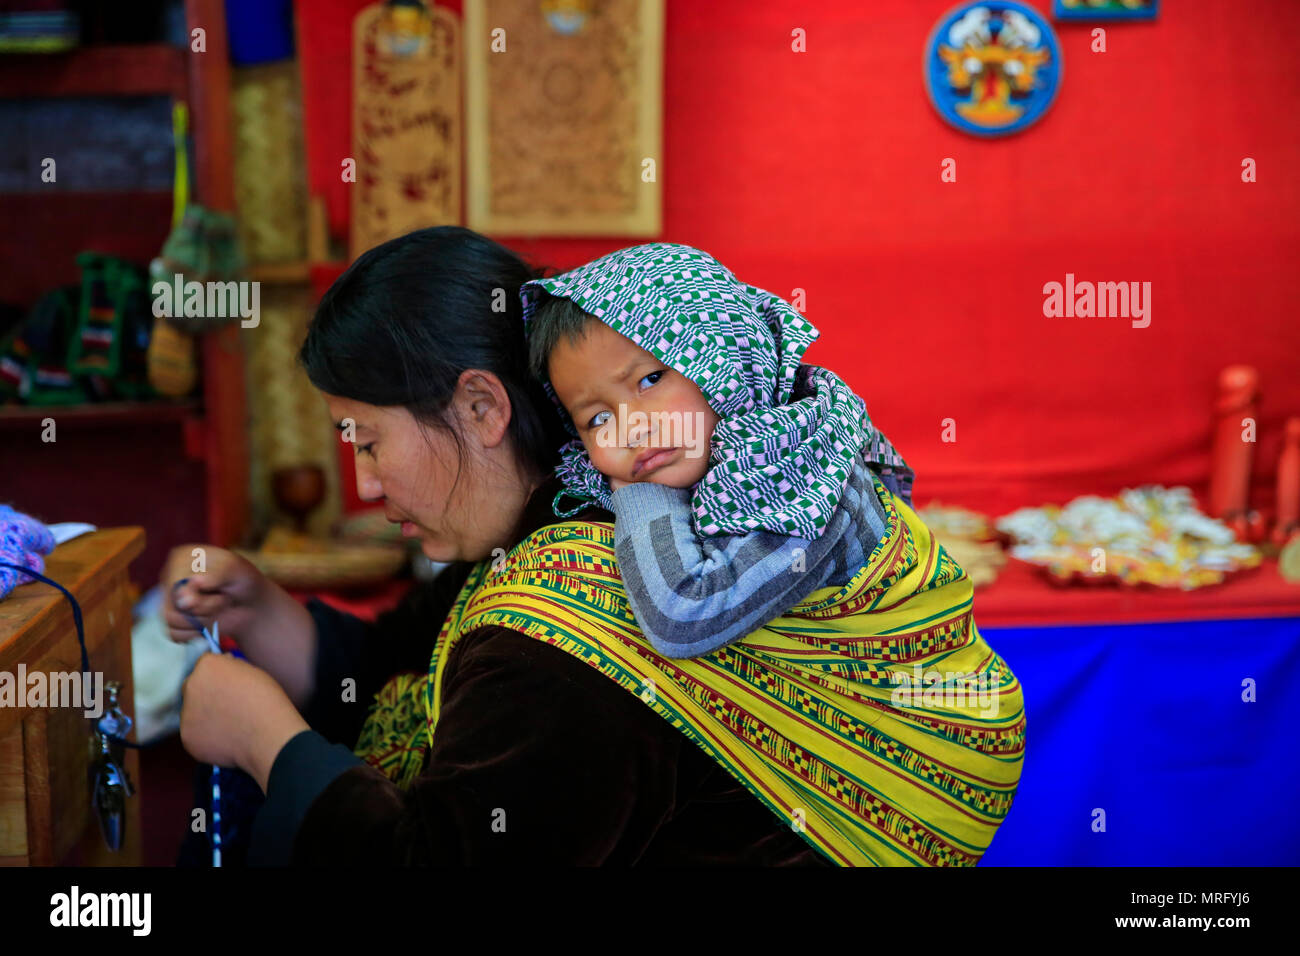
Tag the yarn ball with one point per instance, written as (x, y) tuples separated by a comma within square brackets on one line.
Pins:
[(23, 541)]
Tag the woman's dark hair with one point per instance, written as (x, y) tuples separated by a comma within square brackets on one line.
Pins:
[(432, 303)]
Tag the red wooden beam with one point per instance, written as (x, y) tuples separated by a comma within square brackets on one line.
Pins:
[(226, 435)]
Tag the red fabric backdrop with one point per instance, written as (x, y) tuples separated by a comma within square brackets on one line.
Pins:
[(821, 171)]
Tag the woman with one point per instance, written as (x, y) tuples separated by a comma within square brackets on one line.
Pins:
[(516, 715)]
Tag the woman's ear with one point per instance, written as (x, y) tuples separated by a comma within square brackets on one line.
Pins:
[(482, 405)]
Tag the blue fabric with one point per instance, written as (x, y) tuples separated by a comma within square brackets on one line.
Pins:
[(260, 31), (23, 543), (1147, 722)]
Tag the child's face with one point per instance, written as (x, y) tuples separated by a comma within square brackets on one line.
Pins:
[(627, 405)]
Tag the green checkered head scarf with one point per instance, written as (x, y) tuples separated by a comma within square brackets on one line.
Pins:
[(789, 434)]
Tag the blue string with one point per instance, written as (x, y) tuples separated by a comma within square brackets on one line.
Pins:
[(76, 608), (215, 646)]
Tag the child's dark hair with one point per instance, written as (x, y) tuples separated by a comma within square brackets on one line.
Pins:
[(553, 319), (410, 315)]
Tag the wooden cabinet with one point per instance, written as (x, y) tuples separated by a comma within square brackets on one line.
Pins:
[(45, 808)]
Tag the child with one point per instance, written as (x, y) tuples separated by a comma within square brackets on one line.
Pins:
[(739, 479)]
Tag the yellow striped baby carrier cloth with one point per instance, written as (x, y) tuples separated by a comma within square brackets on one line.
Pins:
[(872, 719)]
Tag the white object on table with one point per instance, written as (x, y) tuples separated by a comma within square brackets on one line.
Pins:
[(67, 530)]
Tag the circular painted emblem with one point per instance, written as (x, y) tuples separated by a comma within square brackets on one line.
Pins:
[(992, 68)]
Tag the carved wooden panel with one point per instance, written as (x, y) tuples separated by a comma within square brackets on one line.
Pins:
[(563, 116), (406, 124)]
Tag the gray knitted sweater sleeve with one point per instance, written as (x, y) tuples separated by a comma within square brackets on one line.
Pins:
[(693, 595)]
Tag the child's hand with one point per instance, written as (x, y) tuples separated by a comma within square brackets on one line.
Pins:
[(617, 483)]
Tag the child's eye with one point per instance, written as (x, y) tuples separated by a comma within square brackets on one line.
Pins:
[(653, 375), (594, 423), (366, 449)]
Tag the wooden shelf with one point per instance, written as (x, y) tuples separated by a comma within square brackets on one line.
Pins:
[(302, 271), (291, 273), (153, 69), (284, 273), (101, 413)]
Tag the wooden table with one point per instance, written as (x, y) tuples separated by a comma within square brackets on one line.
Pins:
[(45, 812)]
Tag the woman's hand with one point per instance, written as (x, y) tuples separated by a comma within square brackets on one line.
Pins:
[(235, 715), (230, 588), (274, 630)]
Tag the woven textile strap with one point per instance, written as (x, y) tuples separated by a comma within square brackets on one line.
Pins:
[(872, 719)]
